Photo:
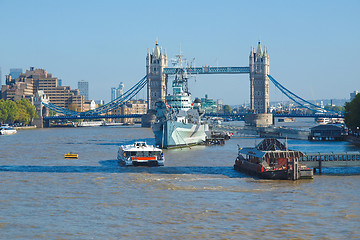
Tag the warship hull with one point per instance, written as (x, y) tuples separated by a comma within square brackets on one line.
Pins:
[(172, 134)]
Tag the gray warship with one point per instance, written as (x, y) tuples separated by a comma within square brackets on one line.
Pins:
[(178, 123)]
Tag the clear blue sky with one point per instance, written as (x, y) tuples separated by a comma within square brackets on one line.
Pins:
[(313, 45)]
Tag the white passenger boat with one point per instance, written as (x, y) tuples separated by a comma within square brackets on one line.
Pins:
[(140, 154), (7, 130), (90, 124), (322, 120)]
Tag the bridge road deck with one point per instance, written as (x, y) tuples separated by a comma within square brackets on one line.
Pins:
[(321, 160)]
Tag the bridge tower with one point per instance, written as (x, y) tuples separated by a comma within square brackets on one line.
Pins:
[(41, 110), (259, 88), (157, 80), (259, 81)]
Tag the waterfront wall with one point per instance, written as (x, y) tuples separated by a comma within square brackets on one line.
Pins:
[(353, 139)]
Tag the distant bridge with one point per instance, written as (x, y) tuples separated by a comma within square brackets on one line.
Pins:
[(324, 115), (74, 117), (239, 116), (210, 70), (292, 115)]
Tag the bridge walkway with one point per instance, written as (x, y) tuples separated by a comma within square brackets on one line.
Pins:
[(320, 160)]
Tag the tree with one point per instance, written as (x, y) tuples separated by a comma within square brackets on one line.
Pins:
[(12, 110), (74, 107), (21, 111), (52, 112), (23, 116), (227, 109), (335, 108), (30, 109), (26, 110), (3, 111), (352, 113)]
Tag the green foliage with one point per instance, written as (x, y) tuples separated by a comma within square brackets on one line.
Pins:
[(21, 111), (3, 111), (227, 109), (74, 107), (52, 112), (352, 113), (12, 110), (335, 108)]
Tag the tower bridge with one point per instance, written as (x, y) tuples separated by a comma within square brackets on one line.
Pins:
[(210, 70), (157, 74), (156, 81)]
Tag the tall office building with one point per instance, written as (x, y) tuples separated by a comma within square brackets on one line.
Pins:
[(60, 82), (117, 92), (15, 72), (83, 87), (113, 93)]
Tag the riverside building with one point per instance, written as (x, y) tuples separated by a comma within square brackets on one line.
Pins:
[(130, 107), (17, 88), (34, 80)]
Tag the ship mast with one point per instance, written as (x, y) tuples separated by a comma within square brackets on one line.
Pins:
[(181, 76)]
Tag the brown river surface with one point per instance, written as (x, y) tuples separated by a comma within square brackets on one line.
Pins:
[(196, 195)]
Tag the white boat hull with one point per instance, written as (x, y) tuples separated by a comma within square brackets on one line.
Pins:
[(7, 132), (140, 154)]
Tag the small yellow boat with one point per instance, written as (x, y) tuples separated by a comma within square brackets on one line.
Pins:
[(71, 155)]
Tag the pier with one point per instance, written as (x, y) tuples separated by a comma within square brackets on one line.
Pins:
[(321, 160)]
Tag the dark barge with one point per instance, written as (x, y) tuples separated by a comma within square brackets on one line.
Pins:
[(271, 159)]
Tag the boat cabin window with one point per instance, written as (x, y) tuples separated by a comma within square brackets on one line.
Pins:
[(177, 90), (140, 144), (142, 154), (128, 154)]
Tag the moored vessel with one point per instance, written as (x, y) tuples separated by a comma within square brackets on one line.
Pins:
[(90, 124), (286, 119), (7, 130), (140, 154), (323, 120), (178, 123), (271, 159)]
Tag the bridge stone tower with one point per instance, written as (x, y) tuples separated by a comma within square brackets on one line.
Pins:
[(41, 110), (157, 80), (259, 87), (259, 81)]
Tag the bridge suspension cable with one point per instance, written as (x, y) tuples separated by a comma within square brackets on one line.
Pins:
[(128, 95), (302, 102)]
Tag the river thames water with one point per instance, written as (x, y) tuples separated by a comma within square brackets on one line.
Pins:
[(196, 195)]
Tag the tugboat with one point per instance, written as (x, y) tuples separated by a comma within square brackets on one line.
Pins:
[(271, 159), (140, 154), (178, 122)]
